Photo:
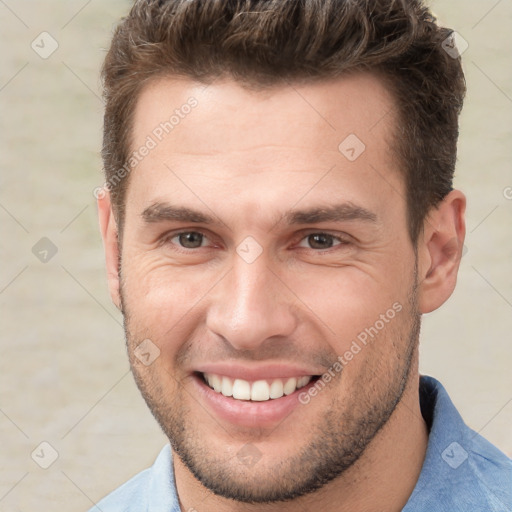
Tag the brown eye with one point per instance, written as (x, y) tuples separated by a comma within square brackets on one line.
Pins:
[(320, 241)]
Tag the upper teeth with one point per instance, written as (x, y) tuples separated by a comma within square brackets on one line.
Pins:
[(259, 390)]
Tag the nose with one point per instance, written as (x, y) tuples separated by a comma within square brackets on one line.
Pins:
[(251, 305)]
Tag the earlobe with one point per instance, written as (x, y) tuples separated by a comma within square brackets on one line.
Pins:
[(109, 234), (440, 251)]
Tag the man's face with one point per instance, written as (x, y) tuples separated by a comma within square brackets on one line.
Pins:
[(255, 249)]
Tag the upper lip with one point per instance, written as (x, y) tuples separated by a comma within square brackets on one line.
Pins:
[(254, 373)]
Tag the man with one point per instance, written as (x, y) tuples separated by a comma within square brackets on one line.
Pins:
[(279, 214)]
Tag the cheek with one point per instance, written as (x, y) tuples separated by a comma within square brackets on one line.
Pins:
[(351, 302), (162, 301), (156, 283)]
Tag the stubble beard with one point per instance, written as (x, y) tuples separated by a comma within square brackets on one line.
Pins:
[(329, 451)]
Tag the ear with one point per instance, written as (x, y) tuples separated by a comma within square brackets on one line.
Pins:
[(440, 251), (109, 233)]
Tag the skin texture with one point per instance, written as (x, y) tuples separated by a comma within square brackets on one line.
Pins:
[(246, 159)]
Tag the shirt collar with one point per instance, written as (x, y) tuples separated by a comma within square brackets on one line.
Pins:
[(461, 471)]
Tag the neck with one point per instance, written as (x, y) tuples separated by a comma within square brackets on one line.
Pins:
[(382, 479)]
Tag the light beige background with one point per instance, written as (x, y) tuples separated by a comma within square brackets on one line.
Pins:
[(64, 375)]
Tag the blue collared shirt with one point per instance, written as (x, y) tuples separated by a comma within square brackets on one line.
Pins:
[(462, 472)]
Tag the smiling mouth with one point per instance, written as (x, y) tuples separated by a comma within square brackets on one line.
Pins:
[(256, 391)]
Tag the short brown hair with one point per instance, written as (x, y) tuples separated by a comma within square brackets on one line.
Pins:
[(268, 42)]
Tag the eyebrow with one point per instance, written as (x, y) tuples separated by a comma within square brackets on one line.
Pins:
[(335, 213), (162, 212)]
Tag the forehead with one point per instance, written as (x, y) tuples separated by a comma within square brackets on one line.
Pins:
[(228, 140), (327, 110)]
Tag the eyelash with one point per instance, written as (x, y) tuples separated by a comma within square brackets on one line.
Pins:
[(166, 240)]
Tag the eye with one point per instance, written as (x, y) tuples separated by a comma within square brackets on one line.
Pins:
[(188, 239), (321, 241)]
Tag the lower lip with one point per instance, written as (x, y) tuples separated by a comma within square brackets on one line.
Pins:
[(246, 413)]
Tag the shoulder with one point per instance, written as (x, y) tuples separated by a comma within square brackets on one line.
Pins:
[(153, 485), (491, 470), (131, 496)]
